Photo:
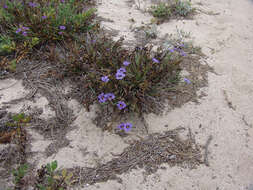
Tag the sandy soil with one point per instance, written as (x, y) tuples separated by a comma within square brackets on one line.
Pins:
[(224, 30)]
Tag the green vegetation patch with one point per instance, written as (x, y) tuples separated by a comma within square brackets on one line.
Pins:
[(174, 8), (29, 23)]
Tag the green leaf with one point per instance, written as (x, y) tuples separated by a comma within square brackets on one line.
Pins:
[(64, 173), (18, 117), (41, 187), (48, 168), (54, 165), (50, 180)]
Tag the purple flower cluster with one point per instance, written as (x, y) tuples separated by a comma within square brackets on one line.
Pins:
[(120, 73), (23, 30), (61, 28), (125, 126), (44, 17), (182, 53), (102, 98)]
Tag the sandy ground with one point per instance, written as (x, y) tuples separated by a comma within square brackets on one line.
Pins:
[(224, 30)]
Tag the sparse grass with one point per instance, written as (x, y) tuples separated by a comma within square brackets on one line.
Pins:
[(174, 8)]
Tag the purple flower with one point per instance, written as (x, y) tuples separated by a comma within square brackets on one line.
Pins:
[(120, 75), (31, 4), (155, 60), (126, 63), (102, 98), (60, 33), (44, 17), (5, 7), (128, 127), (121, 126), (62, 27), (24, 33), (182, 53), (25, 28), (105, 78), (125, 126), (121, 70), (109, 96), (172, 50), (18, 30), (187, 81), (62, 1), (121, 105), (175, 49)]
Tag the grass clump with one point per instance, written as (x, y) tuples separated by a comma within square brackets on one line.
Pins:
[(48, 177), (183, 8), (6, 45), (174, 8), (19, 174), (126, 81), (161, 10), (36, 22)]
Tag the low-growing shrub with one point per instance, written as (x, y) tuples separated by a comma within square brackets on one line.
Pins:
[(172, 8), (39, 21), (161, 10), (48, 177), (183, 8), (126, 81), (19, 174), (6, 45)]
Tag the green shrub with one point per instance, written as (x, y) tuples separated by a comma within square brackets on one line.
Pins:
[(161, 10), (6, 45), (48, 177), (42, 21), (127, 81), (183, 8), (19, 174), (53, 179), (172, 8)]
